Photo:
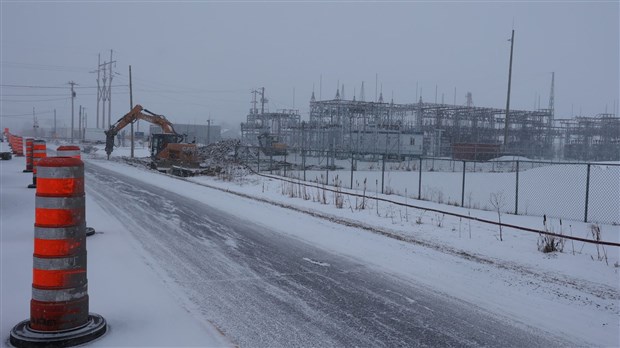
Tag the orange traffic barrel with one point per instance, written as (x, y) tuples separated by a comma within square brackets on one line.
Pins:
[(59, 306), (19, 146), (68, 151), (29, 151), (11, 141), (73, 151), (39, 151)]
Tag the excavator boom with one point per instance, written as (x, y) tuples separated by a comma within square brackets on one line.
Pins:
[(133, 115)]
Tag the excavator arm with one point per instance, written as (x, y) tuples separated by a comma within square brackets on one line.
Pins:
[(136, 114)]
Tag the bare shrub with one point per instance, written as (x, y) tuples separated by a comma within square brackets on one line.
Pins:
[(362, 204), (497, 202), (439, 219), (601, 253), (418, 220), (549, 243), (469, 221)]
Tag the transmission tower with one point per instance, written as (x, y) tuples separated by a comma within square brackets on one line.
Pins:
[(104, 90), (552, 96)]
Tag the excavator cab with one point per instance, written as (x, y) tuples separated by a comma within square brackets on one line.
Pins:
[(160, 141)]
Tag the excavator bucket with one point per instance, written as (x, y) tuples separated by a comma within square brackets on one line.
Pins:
[(109, 142)]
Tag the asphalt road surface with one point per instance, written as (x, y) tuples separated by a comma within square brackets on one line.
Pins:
[(264, 289)]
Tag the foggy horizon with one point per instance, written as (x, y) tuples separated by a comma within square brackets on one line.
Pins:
[(192, 61)]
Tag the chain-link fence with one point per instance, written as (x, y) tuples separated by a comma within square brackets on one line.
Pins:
[(576, 191)]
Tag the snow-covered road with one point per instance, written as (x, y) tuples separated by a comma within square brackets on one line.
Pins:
[(262, 287)]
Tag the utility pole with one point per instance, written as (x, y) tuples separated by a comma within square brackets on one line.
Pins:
[(512, 43), (80, 123), (98, 87), (35, 124), (55, 134), (110, 92), (454, 103), (131, 107), (84, 124), (104, 92), (72, 100), (552, 96), (104, 95), (209, 130)]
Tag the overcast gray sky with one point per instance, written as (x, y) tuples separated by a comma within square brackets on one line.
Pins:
[(194, 59)]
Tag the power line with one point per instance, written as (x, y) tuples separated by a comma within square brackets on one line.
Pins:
[(29, 86), (34, 95), (178, 90), (33, 86), (29, 66), (28, 114), (49, 95), (31, 100)]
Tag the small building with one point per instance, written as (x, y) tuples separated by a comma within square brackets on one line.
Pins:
[(201, 134)]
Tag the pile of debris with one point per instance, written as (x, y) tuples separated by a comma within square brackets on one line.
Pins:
[(218, 154), (221, 159)]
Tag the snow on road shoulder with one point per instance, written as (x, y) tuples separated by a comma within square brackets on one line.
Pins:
[(140, 308), (569, 295)]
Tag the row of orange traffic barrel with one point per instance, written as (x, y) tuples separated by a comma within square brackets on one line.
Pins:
[(59, 306)]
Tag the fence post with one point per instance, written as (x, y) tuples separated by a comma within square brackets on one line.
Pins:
[(258, 160), (585, 218), (352, 160), (463, 186), (327, 168), (517, 191), (420, 180), (383, 174), (303, 161), (271, 163), (285, 165)]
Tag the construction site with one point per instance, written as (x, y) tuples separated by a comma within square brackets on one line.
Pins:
[(464, 132)]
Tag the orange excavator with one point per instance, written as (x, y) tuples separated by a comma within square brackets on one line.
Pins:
[(167, 149)]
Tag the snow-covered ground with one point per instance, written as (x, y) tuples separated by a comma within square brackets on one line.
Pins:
[(572, 294)]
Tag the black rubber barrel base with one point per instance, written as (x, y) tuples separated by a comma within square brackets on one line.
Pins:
[(22, 336), (90, 231), (32, 186), (26, 171)]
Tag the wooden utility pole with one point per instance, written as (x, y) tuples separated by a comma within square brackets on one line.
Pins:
[(72, 115), (512, 43), (35, 124), (131, 107), (80, 123), (99, 92), (209, 130), (110, 92)]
